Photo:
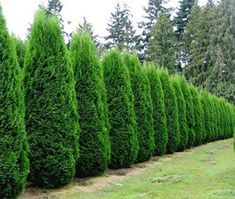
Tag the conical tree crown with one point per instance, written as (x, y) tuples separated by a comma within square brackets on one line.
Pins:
[(120, 99), (143, 107), (171, 109), (159, 115), (51, 107), (14, 165), (94, 139), (181, 113)]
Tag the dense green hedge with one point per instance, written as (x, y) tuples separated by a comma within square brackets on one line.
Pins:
[(14, 165), (93, 144), (51, 107), (189, 112), (181, 113), (171, 109), (159, 115), (197, 111), (143, 107), (120, 99), (128, 112)]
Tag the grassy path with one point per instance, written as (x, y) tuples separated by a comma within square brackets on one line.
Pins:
[(205, 172)]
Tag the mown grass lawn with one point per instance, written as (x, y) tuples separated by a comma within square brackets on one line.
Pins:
[(205, 172)]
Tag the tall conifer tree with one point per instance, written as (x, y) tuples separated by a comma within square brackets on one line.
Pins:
[(94, 139), (51, 107), (14, 166)]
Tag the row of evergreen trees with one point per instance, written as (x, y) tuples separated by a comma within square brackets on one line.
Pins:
[(67, 114)]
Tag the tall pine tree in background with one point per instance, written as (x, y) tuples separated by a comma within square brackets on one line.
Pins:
[(197, 41), (153, 11), (51, 106), (14, 166), (181, 20), (121, 31), (162, 44), (221, 80), (85, 26)]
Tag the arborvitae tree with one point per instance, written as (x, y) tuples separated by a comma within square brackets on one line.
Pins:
[(203, 122), (121, 31), (14, 165), (94, 139), (162, 44), (189, 112), (211, 118), (171, 109), (181, 113), (143, 107), (206, 116), (159, 115), (20, 50), (85, 26), (51, 107), (120, 99), (197, 109), (153, 11)]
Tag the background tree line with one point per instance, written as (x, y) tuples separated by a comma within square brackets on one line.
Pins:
[(195, 41)]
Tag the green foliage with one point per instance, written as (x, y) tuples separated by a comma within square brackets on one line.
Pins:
[(51, 107), (221, 80), (181, 113), (120, 100), (159, 115), (94, 142), (171, 109), (196, 42), (20, 50), (206, 116), (14, 166), (162, 44), (143, 107), (189, 112), (197, 110), (87, 27), (120, 28), (182, 16), (154, 9)]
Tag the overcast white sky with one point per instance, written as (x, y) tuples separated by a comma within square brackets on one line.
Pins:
[(19, 13)]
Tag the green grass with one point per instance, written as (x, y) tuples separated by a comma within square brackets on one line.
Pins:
[(205, 172)]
